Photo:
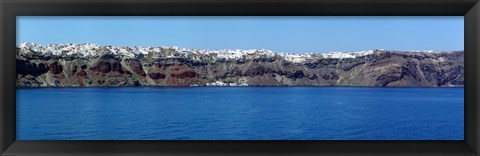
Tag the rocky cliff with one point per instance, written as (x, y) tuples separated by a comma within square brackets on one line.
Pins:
[(378, 68)]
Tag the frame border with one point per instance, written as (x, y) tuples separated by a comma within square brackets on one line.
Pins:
[(9, 9)]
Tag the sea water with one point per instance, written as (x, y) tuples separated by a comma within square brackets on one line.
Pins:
[(240, 113)]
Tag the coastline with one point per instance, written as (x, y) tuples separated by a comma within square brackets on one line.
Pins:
[(325, 86), (379, 69)]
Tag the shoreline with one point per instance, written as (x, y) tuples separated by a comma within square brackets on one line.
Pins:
[(110, 87)]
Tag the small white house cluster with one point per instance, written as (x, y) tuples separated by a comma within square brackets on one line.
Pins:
[(220, 83), (297, 58), (349, 54)]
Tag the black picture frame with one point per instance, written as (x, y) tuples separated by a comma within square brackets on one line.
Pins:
[(9, 9)]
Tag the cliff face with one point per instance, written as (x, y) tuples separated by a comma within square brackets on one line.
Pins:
[(381, 68)]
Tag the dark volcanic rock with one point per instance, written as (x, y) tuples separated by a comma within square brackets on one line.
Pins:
[(109, 56), (102, 66), (349, 66), (189, 74), (383, 68), (236, 72), (312, 77), (25, 67), (264, 59), (116, 66), (136, 66), (391, 76), (55, 68), (323, 63), (187, 62), (330, 76), (294, 75), (82, 73), (259, 70), (156, 75), (410, 69)]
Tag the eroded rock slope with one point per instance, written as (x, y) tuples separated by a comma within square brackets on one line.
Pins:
[(379, 68)]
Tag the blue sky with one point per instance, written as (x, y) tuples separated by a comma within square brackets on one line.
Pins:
[(280, 34)]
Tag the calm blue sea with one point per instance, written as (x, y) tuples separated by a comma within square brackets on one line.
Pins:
[(240, 113)]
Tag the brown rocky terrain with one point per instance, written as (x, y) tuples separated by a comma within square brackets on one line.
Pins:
[(383, 68)]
